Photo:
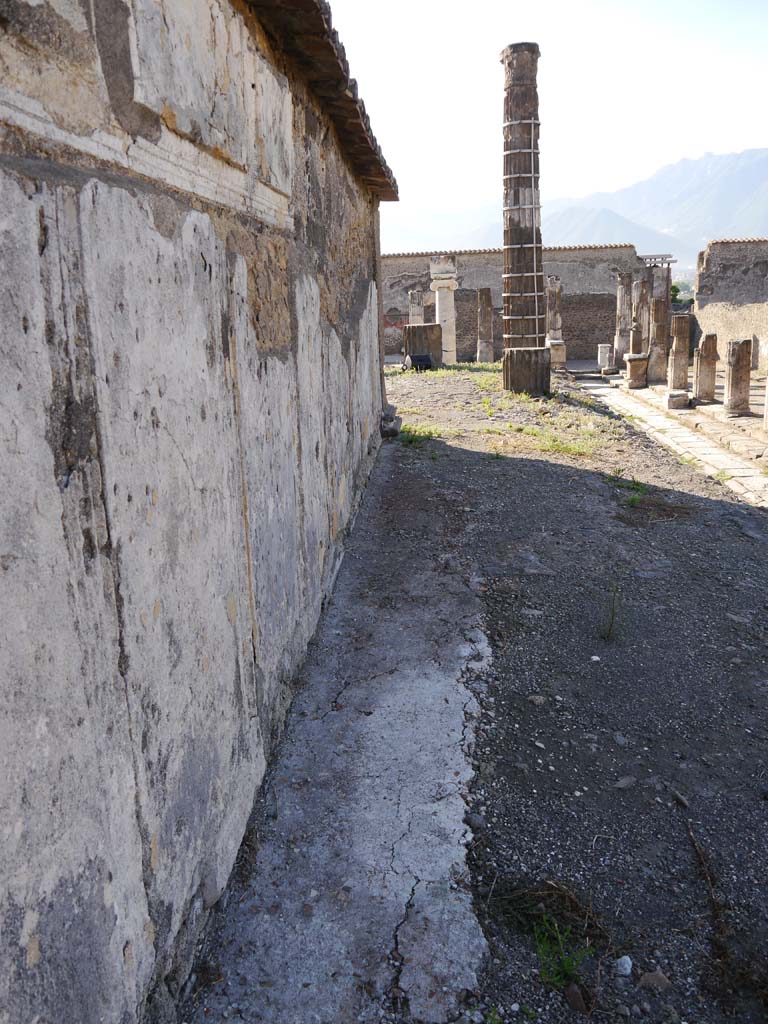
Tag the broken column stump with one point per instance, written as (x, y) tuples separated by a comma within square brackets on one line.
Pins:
[(738, 363), (554, 341), (677, 370), (484, 326), (659, 344), (416, 307), (424, 339), (636, 360), (705, 369), (526, 370), (623, 320)]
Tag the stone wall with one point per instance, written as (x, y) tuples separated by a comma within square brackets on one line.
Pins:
[(731, 295), (189, 341), (589, 293)]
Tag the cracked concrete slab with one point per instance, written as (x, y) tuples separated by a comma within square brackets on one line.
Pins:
[(355, 904)]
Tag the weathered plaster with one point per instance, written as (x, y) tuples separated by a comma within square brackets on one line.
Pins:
[(192, 408)]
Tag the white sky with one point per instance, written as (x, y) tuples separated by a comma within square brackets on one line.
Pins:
[(625, 88)]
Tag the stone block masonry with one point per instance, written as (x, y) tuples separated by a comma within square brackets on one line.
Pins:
[(732, 295), (189, 341)]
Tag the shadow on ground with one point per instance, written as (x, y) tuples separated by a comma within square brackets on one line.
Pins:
[(620, 796)]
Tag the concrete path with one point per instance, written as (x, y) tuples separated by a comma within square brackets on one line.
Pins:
[(743, 476), (353, 903)]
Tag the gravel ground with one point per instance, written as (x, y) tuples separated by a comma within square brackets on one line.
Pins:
[(620, 801)]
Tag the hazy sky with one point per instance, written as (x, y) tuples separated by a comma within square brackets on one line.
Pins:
[(625, 88)]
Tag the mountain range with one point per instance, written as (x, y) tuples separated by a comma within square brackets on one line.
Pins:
[(678, 210)]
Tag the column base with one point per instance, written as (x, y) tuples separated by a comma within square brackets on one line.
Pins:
[(678, 399), (526, 370)]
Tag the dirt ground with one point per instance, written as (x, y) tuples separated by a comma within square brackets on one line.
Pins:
[(620, 802)]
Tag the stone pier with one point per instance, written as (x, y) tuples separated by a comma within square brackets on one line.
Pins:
[(416, 307), (442, 269), (677, 374), (526, 370), (705, 369), (554, 340), (641, 307), (659, 343), (738, 363), (636, 361), (623, 319), (484, 326)]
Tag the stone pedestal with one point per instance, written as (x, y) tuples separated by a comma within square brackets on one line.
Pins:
[(416, 307), (623, 318), (526, 370), (422, 340), (738, 363), (677, 371), (484, 326), (705, 369), (659, 344), (443, 272), (637, 369), (604, 356), (678, 399), (557, 353)]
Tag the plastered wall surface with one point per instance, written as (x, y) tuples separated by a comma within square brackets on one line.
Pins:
[(588, 304), (731, 295), (189, 338)]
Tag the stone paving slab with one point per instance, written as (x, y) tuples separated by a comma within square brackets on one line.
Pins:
[(741, 475)]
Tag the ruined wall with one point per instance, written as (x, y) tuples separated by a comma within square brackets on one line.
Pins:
[(190, 357), (589, 293), (731, 295)]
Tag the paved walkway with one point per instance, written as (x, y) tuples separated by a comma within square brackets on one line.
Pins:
[(743, 475), (354, 905)]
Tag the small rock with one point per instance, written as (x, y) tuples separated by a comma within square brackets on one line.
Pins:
[(620, 739), (656, 980), (635, 1010), (645, 1007), (594, 658), (624, 966), (622, 1011), (627, 782), (537, 700), (514, 1008), (475, 821), (539, 744), (574, 998)]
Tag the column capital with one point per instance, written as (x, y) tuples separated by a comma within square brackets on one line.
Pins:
[(444, 282)]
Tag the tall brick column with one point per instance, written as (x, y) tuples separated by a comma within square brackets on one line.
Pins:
[(524, 302)]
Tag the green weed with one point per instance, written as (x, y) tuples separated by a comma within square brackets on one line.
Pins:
[(417, 434), (559, 954)]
